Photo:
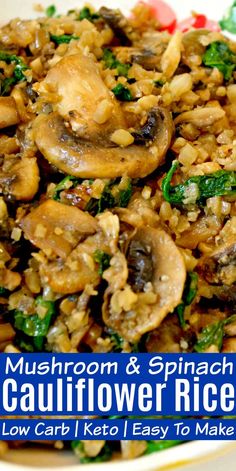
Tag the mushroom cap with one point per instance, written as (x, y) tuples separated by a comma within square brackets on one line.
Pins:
[(75, 89), (57, 227), (168, 279), (94, 159)]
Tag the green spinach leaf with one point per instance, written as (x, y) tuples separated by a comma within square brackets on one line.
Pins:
[(221, 183), (111, 62), (218, 54), (228, 22), (103, 260), (122, 93), (50, 11), (63, 38), (33, 325)]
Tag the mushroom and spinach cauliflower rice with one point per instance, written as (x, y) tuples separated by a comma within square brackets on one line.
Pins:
[(118, 183)]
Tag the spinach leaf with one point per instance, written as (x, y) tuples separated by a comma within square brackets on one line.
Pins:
[(213, 334), (65, 184), (218, 54), (221, 183), (107, 200), (33, 325), (228, 22), (190, 291), (159, 83), (50, 11), (63, 38), (122, 93), (18, 74), (124, 196), (86, 13), (104, 455), (103, 260), (117, 341), (153, 445), (3, 291), (6, 84), (111, 62)]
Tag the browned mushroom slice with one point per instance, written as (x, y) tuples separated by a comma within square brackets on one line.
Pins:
[(57, 228), (82, 158), (220, 267), (68, 278), (145, 57), (76, 90), (8, 112), (131, 312), (119, 24), (78, 270), (192, 46), (20, 177)]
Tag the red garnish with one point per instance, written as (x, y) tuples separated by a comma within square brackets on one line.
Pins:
[(167, 19), (199, 21), (164, 14)]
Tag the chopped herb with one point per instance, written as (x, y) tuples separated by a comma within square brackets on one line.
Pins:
[(33, 325), (112, 62), (50, 11), (107, 200), (104, 455), (153, 445), (64, 38), (67, 182), (124, 196), (159, 83), (218, 54), (3, 291), (86, 13), (18, 74), (221, 183), (117, 341), (228, 22), (103, 260), (122, 93), (190, 291), (6, 84), (213, 334)]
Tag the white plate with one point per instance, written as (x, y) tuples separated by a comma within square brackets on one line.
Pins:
[(193, 452)]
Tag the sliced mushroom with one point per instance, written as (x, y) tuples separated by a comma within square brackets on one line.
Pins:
[(202, 230), (220, 267), (57, 228), (132, 314), (20, 177), (146, 57), (192, 46), (77, 270), (75, 88), (118, 23), (201, 117), (93, 159), (140, 265), (8, 112)]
